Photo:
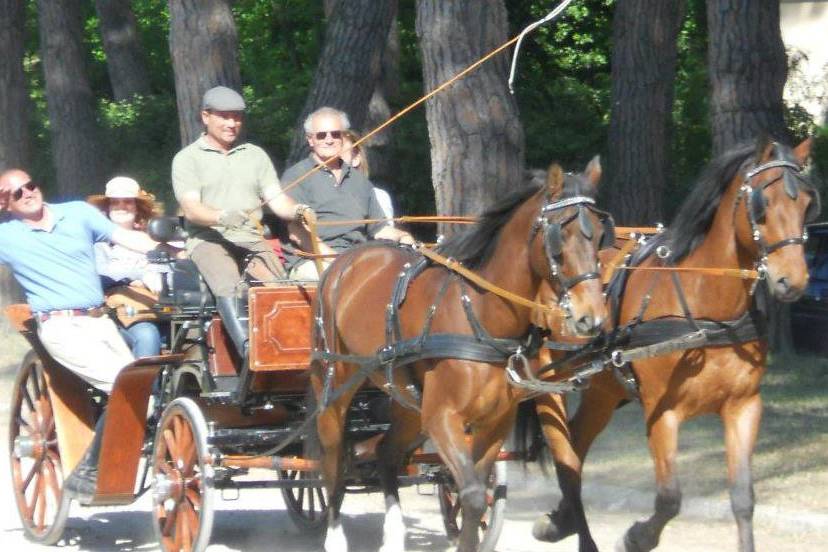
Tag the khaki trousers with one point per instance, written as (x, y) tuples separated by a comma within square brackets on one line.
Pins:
[(91, 347)]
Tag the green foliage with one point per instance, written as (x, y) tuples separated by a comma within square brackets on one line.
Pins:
[(562, 89), (141, 137), (562, 82)]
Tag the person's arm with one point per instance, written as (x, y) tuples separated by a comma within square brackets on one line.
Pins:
[(133, 239), (196, 212), (109, 267)]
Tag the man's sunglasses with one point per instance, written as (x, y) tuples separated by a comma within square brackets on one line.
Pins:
[(335, 134), (18, 193)]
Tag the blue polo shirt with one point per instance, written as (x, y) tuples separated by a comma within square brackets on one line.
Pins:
[(56, 268)]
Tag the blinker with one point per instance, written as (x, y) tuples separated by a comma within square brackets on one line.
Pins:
[(587, 229)]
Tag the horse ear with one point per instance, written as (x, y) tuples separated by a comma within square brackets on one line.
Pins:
[(554, 179), (802, 152), (764, 148), (593, 171)]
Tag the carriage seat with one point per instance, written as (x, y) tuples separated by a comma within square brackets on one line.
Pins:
[(186, 286)]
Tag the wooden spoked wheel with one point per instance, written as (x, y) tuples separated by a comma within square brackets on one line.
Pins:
[(492, 522), (182, 486), (37, 472)]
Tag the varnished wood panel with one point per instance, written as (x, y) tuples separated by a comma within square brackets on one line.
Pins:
[(280, 320)]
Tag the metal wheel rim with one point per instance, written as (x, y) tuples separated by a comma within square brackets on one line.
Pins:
[(492, 523), (37, 480), (183, 522)]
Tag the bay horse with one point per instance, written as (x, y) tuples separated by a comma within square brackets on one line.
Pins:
[(747, 211), (442, 338)]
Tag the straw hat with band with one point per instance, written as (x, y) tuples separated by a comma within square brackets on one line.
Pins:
[(123, 187)]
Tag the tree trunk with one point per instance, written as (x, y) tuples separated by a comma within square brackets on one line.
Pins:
[(643, 74), (378, 149), (14, 132), (349, 65), (748, 69), (474, 127), (76, 147), (125, 59), (204, 51)]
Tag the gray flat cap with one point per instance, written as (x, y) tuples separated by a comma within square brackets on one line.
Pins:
[(221, 98)]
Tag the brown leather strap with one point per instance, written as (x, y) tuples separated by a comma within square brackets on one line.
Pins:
[(744, 273), (454, 266), (612, 266)]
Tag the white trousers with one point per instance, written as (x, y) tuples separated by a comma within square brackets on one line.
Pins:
[(91, 347)]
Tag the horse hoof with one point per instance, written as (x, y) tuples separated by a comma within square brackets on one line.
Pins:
[(547, 529), (638, 538)]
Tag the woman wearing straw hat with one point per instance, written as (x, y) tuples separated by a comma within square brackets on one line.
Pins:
[(128, 279)]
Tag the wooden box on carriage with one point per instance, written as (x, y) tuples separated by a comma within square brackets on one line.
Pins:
[(280, 330)]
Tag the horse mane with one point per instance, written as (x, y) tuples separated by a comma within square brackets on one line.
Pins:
[(695, 216), (473, 246)]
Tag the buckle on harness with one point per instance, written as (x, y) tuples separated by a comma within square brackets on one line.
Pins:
[(511, 368), (617, 358)]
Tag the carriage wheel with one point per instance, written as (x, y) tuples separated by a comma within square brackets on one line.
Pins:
[(37, 472), (307, 506), (492, 522), (183, 491)]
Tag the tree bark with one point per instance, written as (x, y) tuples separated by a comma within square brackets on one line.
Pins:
[(349, 66), (748, 69), (477, 143), (643, 74), (204, 51), (125, 58), (76, 147), (15, 145), (378, 149)]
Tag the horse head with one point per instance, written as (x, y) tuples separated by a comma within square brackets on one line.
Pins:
[(564, 246), (776, 200)]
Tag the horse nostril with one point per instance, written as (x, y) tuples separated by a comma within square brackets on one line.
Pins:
[(783, 286)]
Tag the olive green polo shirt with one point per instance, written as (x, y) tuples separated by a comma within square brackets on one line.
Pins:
[(239, 180)]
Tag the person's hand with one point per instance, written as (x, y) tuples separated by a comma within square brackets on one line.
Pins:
[(407, 239), (232, 219), (5, 194), (306, 215)]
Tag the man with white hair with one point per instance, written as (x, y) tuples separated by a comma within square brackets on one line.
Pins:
[(335, 192), (221, 185), (49, 249)]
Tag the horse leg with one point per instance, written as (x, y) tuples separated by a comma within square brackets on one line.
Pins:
[(446, 429), (331, 429), (391, 452), (569, 449), (663, 439), (569, 518), (741, 425)]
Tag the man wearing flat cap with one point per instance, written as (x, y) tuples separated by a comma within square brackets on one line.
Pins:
[(221, 184)]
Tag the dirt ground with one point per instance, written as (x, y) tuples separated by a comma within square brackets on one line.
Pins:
[(791, 470)]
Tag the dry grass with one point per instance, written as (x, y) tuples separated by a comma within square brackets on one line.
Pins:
[(790, 465)]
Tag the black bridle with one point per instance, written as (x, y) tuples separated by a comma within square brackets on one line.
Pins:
[(553, 240), (756, 205)]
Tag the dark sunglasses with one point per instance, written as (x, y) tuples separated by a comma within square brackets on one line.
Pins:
[(18, 193), (335, 134)]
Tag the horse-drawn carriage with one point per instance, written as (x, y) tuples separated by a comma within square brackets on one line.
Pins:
[(454, 348), (198, 419)]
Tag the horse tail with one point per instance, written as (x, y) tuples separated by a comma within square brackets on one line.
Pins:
[(529, 441)]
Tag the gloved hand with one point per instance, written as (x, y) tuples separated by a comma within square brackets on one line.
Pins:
[(306, 215), (232, 219)]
